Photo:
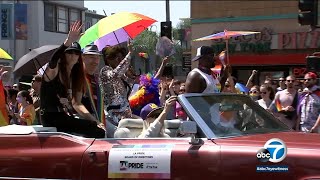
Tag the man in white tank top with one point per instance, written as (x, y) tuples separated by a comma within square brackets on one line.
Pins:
[(200, 80)]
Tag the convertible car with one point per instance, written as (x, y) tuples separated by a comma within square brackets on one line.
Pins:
[(226, 136)]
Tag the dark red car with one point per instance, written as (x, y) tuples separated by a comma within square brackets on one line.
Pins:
[(225, 137)]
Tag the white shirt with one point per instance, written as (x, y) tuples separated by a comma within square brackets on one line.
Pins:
[(210, 81), (263, 104)]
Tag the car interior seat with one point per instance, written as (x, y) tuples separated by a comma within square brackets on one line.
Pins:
[(172, 127), (131, 128)]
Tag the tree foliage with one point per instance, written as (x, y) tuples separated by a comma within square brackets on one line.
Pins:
[(179, 30), (146, 42)]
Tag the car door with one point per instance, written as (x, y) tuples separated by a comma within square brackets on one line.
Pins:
[(172, 158), (16, 155), (42, 155)]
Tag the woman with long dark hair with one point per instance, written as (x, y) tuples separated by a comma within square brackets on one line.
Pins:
[(62, 87)]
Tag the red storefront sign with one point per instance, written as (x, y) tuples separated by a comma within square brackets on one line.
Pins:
[(270, 59), (299, 72), (298, 40)]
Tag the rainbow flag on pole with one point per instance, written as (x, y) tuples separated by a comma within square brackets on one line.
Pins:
[(278, 105)]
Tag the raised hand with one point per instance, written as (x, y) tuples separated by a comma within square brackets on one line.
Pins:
[(171, 101), (74, 33), (166, 59)]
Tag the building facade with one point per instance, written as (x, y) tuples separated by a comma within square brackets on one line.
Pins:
[(31, 24), (280, 48)]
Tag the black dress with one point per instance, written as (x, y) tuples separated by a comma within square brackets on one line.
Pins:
[(53, 113)]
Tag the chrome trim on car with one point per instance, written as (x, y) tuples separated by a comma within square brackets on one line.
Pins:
[(194, 115)]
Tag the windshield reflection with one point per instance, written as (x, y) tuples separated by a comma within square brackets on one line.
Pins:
[(234, 115)]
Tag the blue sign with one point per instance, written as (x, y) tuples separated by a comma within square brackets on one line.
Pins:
[(6, 24), (20, 21)]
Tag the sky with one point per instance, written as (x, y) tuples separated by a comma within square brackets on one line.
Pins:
[(153, 9)]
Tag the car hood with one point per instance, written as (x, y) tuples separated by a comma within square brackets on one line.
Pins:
[(291, 139)]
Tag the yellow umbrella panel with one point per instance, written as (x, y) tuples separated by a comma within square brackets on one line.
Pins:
[(4, 55)]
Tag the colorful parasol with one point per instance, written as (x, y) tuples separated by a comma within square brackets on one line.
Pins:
[(226, 35), (115, 29), (4, 54)]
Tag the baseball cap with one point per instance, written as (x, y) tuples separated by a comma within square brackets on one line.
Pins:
[(203, 50), (91, 49), (74, 47), (150, 110)]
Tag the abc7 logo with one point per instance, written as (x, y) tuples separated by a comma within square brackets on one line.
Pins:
[(263, 155), (274, 151)]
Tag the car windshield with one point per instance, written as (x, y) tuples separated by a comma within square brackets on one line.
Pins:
[(234, 115)]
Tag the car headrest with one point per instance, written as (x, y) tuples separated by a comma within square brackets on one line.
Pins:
[(122, 133), (130, 123), (172, 124)]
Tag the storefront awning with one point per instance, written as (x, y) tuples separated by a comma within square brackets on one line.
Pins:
[(272, 59)]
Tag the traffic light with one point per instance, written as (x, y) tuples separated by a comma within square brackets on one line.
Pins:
[(166, 29), (313, 63), (308, 14)]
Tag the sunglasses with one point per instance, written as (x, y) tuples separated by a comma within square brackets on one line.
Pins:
[(73, 52), (253, 92), (308, 79), (290, 81)]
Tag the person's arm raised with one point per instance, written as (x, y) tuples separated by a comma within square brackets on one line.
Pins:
[(52, 69), (159, 73), (254, 72)]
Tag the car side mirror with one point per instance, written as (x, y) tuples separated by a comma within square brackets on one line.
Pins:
[(188, 127)]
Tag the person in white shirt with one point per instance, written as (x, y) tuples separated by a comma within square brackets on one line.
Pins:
[(267, 96), (200, 80), (154, 116)]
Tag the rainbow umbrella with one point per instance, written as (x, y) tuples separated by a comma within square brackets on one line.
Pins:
[(4, 54), (226, 35), (115, 29)]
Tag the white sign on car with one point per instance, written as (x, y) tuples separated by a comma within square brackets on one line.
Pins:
[(140, 161)]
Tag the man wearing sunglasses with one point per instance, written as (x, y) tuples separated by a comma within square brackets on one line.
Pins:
[(309, 106), (92, 97), (285, 103)]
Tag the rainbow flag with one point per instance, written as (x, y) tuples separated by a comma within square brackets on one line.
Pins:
[(4, 118), (278, 105), (98, 109)]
